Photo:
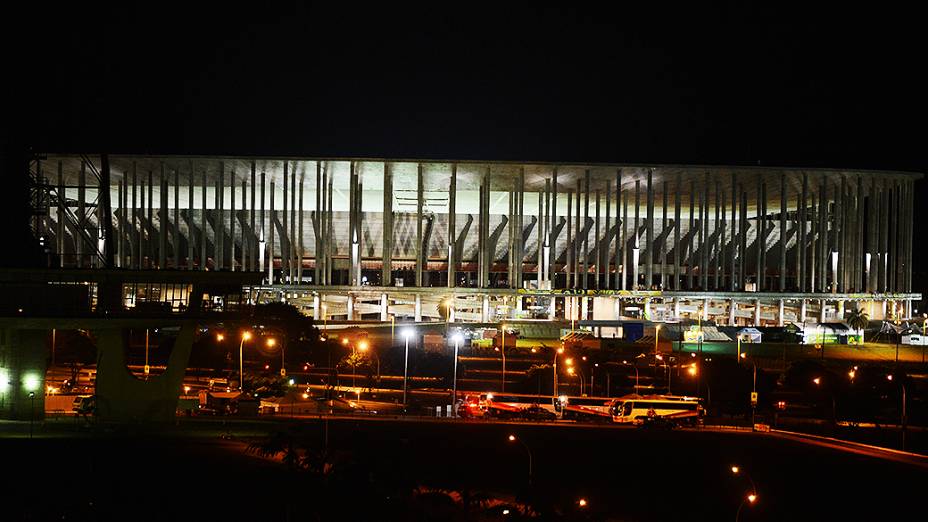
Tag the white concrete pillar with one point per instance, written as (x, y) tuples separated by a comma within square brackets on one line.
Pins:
[(803, 310), (316, 310), (384, 308), (647, 309), (821, 311), (676, 308), (350, 307), (485, 310), (618, 308), (418, 308), (840, 311), (584, 308), (757, 312), (705, 309), (884, 310), (552, 311), (732, 306), (780, 313)]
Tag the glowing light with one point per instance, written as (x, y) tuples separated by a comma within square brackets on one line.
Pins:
[(889, 377), (582, 502), (305, 395), (271, 342), (267, 366), (562, 399), (570, 371), (735, 469), (458, 338), (692, 370), (407, 333), (186, 389), (246, 336), (363, 346), (220, 337), (851, 374), (31, 382), (489, 396), (743, 355), (560, 350), (345, 341), (817, 380), (569, 361), (505, 511), (512, 438), (292, 382), (752, 497)]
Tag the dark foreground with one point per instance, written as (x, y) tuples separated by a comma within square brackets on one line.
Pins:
[(384, 470)]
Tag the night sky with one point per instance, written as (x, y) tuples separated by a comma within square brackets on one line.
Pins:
[(720, 85)]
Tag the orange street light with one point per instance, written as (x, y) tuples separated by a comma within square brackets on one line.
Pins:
[(512, 438), (735, 469), (363, 346), (271, 342), (570, 371), (692, 370), (582, 502), (752, 497), (569, 361), (220, 337), (345, 341), (817, 380), (246, 335)]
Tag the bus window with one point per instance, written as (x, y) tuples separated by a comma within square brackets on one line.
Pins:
[(627, 409)]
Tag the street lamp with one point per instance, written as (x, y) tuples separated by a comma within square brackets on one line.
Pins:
[(270, 343), (407, 333), (834, 416), (556, 353), (751, 497), (503, 353), (458, 338), (513, 438), (903, 419), (636, 374), (246, 335)]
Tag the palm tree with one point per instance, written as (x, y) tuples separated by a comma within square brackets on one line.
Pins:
[(858, 320)]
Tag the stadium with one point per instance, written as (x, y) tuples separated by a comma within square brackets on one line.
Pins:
[(463, 241)]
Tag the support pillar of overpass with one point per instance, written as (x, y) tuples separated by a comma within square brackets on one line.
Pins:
[(781, 304), (384, 307), (418, 311), (705, 309), (122, 397), (757, 312), (839, 311), (552, 310), (618, 308), (732, 306), (316, 307), (585, 308), (23, 363), (803, 310), (676, 308), (821, 310), (350, 303)]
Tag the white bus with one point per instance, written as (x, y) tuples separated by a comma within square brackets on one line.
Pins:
[(584, 408), (637, 410)]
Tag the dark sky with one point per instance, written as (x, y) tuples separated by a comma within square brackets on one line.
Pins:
[(725, 85)]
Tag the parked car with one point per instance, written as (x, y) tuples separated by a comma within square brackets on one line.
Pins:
[(84, 404)]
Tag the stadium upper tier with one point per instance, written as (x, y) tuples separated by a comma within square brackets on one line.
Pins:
[(482, 224)]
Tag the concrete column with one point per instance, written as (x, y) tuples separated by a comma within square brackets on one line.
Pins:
[(649, 235), (218, 228), (316, 308), (584, 308), (663, 236), (620, 236), (270, 241), (285, 233), (384, 307), (294, 240), (782, 234), (757, 312), (330, 227), (732, 306), (704, 242), (60, 214), (676, 232), (802, 232), (821, 310), (733, 277), (252, 236), (299, 236), (840, 310), (452, 224), (803, 310), (586, 237), (636, 251), (150, 222), (520, 238), (350, 303), (705, 309), (190, 236), (204, 254), (780, 313), (163, 221), (552, 311), (81, 216), (607, 242), (552, 227), (691, 250), (597, 255), (647, 308), (232, 221), (485, 309), (623, 249)]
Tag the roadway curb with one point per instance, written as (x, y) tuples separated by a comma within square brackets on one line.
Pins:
[(923, 459)]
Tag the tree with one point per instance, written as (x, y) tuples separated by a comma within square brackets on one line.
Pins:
[(858, 319)]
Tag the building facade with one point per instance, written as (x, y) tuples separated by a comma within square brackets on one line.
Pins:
[(367, 239)]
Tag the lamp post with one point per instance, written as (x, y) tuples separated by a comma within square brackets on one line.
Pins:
[(750, 497), (407, 333), (32, 414), (364, 346), (904, 420), (241, 369), (503, 353), (636, 374), (556, 353), (834, 416), (454, 379), (513, 438)]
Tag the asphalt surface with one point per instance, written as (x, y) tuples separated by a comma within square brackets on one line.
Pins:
[(187, 471)]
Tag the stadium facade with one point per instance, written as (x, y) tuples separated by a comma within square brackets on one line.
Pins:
[(369, 239)]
